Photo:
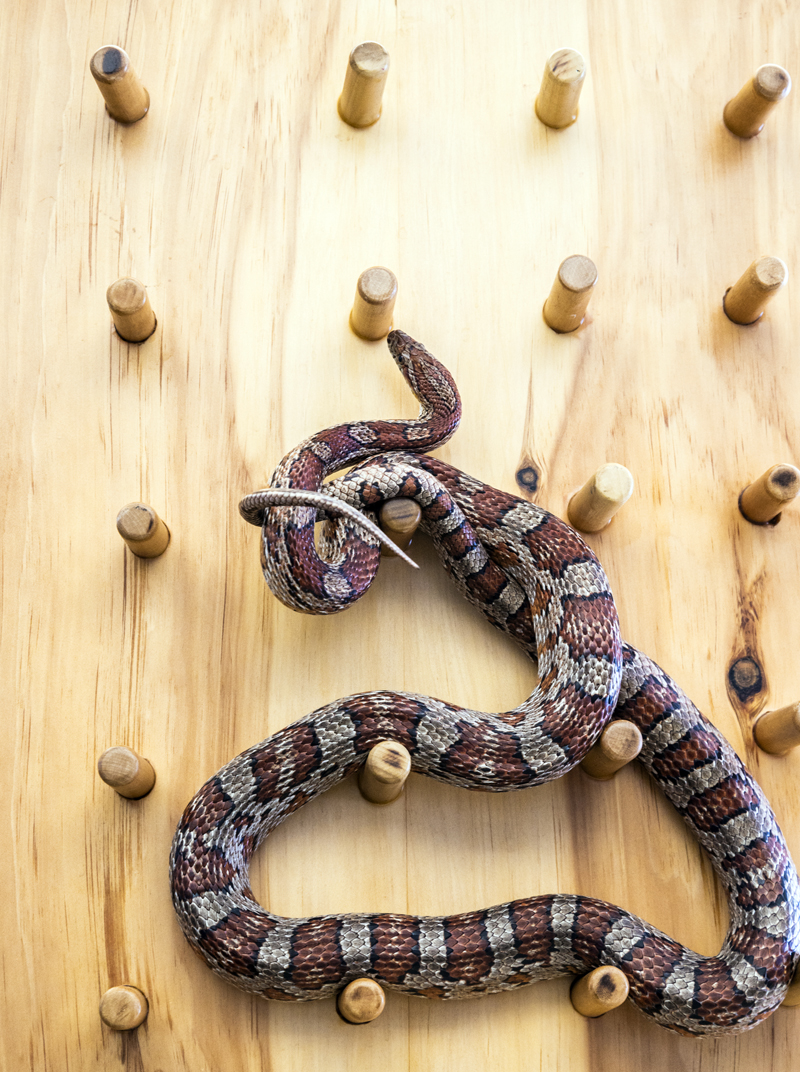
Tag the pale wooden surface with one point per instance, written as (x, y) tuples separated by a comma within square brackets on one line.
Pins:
[(248, 208)]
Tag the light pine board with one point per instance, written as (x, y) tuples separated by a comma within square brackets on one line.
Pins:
[(248, 209)]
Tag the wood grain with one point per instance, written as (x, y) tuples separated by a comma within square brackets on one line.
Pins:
[(247, 208)]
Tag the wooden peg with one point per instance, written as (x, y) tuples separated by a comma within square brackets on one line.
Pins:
[(376, 292), (591, 508), (142, 530), (562, 82), (126, 99), (793, 993), (384, 774), (361, 1001), (565, 308), (764, 499), (778, 732), (745, 301), (599, 992), (619, 744), (123, 1007), (131, 311), (360, 102), (125, 771), (399, 519), (744, 115)]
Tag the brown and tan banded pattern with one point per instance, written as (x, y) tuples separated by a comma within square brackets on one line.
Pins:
[(533, 577)]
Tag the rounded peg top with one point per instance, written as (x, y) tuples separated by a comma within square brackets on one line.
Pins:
[(123, 1008), (745, 301), (126, 296), (399, 519), (745, 114), (622, 740), (360, 102), (377, 285), (592, 508), (110, 64), (600, 991), (565, 308), (384, 773), (770, 273), (370, 60), (143, 530), (577, 273), (772, 82), (373, 307), (361, 1001), (619, 744), (136, 521), (782, 482), (126, 772), (763, 500), (400, 515), (126, 99), (557, 103), (131, 311)]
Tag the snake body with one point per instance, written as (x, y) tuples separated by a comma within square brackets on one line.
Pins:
[(535, 579)]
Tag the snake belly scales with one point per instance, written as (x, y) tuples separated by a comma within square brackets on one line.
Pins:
[(534, 578)]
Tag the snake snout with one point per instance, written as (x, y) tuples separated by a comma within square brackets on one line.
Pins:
[(396, 340), (404, 349)]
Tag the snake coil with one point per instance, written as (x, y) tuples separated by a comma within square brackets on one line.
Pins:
[(534, 578)]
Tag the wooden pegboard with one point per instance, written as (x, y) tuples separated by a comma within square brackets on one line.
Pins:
[(248, 209)]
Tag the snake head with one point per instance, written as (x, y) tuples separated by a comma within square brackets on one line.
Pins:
[(412, 358), (430, 381)]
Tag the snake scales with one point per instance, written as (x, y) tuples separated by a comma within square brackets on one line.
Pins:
[(534, 578)]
